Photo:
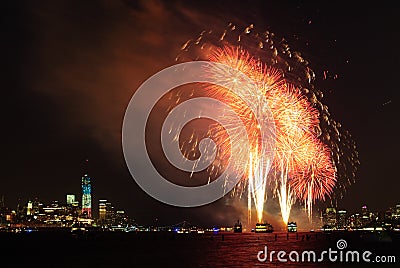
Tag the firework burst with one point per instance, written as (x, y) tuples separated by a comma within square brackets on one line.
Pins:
[(313, 156), (318, 180)]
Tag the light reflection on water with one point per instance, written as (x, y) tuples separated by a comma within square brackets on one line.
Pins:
[(241, 250)]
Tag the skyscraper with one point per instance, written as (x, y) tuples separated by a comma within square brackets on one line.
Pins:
[(86, 197), (330, 217), (110, 215), (365, 215), (70, 199), (341, 219), (29, 208), (102, 210)]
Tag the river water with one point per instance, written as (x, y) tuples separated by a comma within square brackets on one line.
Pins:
[(155, 249)]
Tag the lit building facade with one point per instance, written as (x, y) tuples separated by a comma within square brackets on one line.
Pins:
[(365, 216), (109, 217), (109, 213), (330, 217), (396, 213), (70, 199), (341, 219), (355, 221), (102, 210), (29, 208), (86, 197)]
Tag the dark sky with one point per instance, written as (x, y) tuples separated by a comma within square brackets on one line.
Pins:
[(71, 67)]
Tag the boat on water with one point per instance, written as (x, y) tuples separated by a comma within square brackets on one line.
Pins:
[(78, 228), (264, 228), (292, 227), (237, 228)]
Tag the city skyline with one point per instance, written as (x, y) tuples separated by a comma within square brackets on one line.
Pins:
[(330, 218), (66, 214), (100, 209), (82, 200)]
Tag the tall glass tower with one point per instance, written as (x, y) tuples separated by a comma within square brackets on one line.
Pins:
[(86, 196)]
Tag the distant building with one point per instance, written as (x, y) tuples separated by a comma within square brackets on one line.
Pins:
[(102, 210), (329, 217), (54, 214), (86, 197), (70, 199), (107, 215), (29, 208), (120, 218), (388, 215), (38, 211), (396, 213), (5, 213), (73, 211), (110, 213), (355, 221), (341, 221), (365, 216)]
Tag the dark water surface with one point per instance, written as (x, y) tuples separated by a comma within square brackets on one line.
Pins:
[(145, 249)]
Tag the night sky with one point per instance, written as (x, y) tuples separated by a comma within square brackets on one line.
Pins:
[(71, 67)]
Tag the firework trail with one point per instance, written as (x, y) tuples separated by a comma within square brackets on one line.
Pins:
[(264, 79), (257, 183), (258, 164), (295, 123)]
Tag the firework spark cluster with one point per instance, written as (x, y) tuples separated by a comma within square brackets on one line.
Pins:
[(302, 165), (313, 159)]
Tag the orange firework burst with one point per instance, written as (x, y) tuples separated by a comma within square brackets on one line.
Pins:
[(264, 77), (302, 164), (318, 180), (295, 121)]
